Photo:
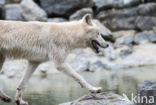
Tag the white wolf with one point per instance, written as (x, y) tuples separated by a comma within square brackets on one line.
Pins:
[(39, 42)]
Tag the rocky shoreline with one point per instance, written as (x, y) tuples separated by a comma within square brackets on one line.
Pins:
[(129, 27)]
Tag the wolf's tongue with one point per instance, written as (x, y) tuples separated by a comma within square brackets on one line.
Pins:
[(95, 46)]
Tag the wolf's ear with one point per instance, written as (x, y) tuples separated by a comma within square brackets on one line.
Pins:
[(87, 19)]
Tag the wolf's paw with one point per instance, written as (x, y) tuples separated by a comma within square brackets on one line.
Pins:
[(21, 102), (96, 90), (6, 99)]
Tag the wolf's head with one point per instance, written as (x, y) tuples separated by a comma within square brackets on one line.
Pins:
[(93, 35)]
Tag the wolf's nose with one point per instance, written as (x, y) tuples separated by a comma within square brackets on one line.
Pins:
[(107, 45)]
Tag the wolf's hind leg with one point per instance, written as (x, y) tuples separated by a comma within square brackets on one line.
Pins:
[(2, 59), (20, 89), (67, 69), (3, 96)]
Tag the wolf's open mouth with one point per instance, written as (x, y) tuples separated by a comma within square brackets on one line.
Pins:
[(96, 45)]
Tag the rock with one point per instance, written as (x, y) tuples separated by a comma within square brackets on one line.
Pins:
[(64, 8), (107, 4), (11, 74), (114, 58), (57, 20), (46, 68), (154, 30), (132, 38), (80, 13), (123, 33), (148, 23), (96, 66), (100, 99), (145, 37), (127, 19), (142, 55), (12, 1), (124, 38), (126, 52), (13, 12), (2, 3), (79, 59), (14, 68), (32, 12), (146, 93), (146, 1)]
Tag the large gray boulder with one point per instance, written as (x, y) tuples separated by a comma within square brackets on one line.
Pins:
[(146, 93), (105, 4), (32, 12), (145, 37), (13, 12), (130, 18), (145, 22), (127, 40), (100, 99), (80, 13), (131, 38), (57, 19), (64, 7)]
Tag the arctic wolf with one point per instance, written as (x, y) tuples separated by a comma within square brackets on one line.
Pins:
[(39, 42)]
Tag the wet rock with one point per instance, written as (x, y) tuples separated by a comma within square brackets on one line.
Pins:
[(57, 20), (142, 55), (122, 33), (46, 68), (100, 99), (13, 12), (124, 38), (2, 3), (148, 90), (125, 19), (146, 1), (154, 30), (64, 8), (97, 66), (145, 37), (32, 12), (119, 58), (12, 1), (80, 13), (148, 23), (79, 59), (106, 4), (126, 52), (14, 68), (11, 74)]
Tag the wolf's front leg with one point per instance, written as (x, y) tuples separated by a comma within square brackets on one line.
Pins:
[(67, 69), (3, 96), (28, 73)]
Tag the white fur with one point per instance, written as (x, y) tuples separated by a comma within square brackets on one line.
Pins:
[(39, 42)]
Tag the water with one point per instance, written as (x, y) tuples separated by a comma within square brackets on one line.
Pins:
[(58, 88)]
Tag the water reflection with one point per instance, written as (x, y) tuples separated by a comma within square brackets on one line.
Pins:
[(58, 88)]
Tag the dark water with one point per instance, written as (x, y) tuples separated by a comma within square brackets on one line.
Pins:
[(58, 88)]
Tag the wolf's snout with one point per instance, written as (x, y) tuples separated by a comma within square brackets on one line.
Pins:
[(107, 45)]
